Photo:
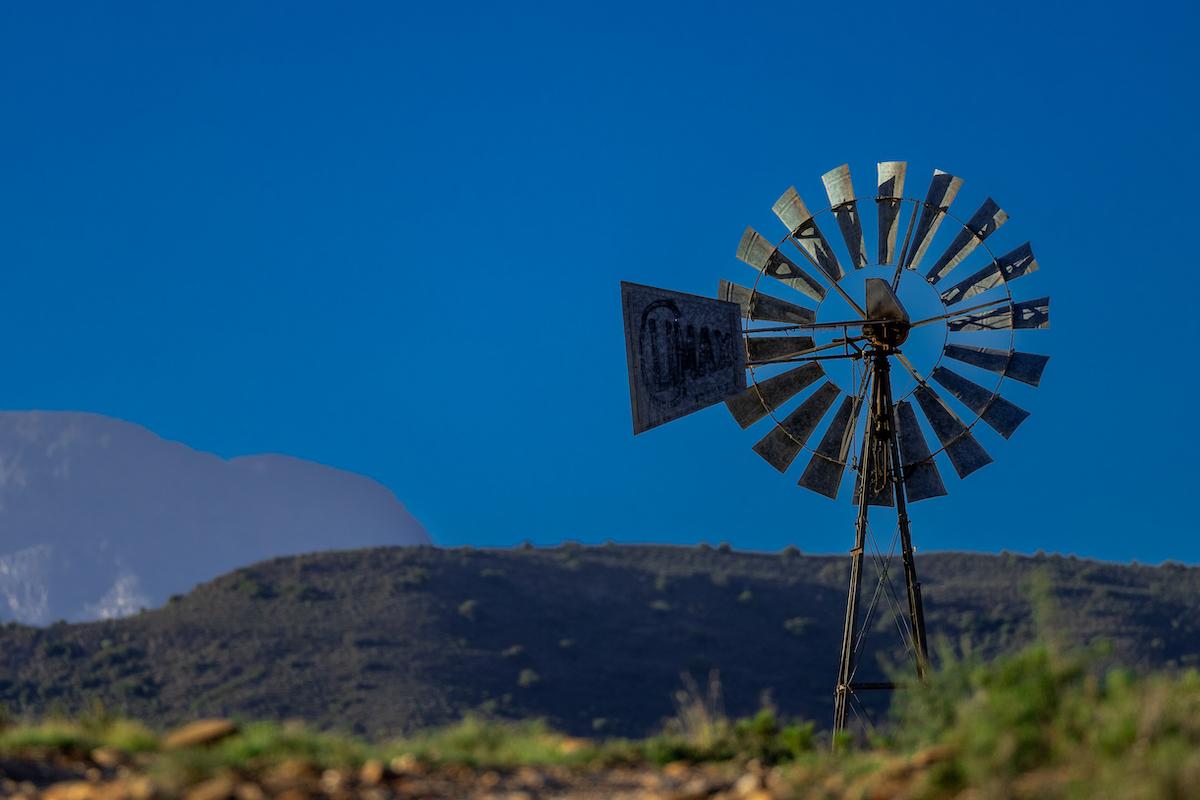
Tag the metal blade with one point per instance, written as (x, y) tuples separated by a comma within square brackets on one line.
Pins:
[(982, 224), (758, 306), (1007, 267), (921, 477), (1002, 415), (889, 199), (757, 400), (823, 474), (1023, 367), (762, 255), (840, 190), (1027, 314), (785, 441), (774, 348), (942, 190), (966, 454), (804, 231)]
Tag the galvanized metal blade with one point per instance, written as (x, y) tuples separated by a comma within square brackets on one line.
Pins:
[(823, 474), (1023, 367), (982, 224), (763, 397), (1003, 416), (888, 199), (775, 348), (921, 477), (785, 441), (942, 191), (1027, 314), (1008, 267), (804, 231), (762, 255), (966, 454), (840, 190), (758, 306)]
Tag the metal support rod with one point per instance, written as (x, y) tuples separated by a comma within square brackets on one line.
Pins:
[(916, 609), (796, 243), (841, 702)]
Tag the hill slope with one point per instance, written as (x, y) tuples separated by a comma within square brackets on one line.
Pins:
[(383, 640), (99, 517)]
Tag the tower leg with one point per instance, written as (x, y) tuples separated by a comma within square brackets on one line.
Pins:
[(841, 702), (880, 425)]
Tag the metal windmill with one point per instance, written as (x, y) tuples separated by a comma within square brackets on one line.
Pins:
[(686, 352)]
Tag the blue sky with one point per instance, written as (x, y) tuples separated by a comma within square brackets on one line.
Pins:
[(389, 238)]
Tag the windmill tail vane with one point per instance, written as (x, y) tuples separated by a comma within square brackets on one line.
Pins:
[(773, 358)]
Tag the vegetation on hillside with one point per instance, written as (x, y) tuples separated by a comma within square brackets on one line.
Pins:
[(591, 639)]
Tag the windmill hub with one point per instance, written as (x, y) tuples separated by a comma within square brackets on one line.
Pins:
[(886, 335)]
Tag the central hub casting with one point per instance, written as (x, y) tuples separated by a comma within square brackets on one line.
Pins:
[(889, 325)]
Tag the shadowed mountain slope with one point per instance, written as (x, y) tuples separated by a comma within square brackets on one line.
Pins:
[(593, 639)]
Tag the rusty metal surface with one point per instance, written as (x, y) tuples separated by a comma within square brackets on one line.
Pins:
[(774, 348), (1027, 314), (888, 201), (1024, 367), (921, 477), (755, 401), (982, 224), (683, 353), (942, 191), (1000, 414), (823, 474), (840, 190), (804, 231), (879, 467), (762, 255), (966, 454), (759, 306), (785, 441)]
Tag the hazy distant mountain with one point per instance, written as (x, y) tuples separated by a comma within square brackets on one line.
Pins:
[(100, 517)]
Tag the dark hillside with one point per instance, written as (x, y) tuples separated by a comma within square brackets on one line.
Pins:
[(593, 639)]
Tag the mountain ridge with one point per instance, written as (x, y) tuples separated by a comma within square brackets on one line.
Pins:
[(594, 639)]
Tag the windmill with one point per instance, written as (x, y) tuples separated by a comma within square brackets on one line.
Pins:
[(774, 358)]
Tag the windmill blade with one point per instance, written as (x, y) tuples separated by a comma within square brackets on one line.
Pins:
[(758, 306), (840, 190), (982, 224), (823, 474), (1003, 416), (804, 231), (764, 256), (758, 399), (1025, 315), (966, 454), (1023, 367), (888, 199), (774, 348), (1008, 267), (942, 191), (921, 477), (785, 441)]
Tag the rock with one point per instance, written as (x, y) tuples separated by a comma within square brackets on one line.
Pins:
[(218, 788), (407, 763), (373, 772), (108, 757), (198, 733), (249, 791)]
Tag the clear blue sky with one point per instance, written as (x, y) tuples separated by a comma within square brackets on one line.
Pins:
[(388, 237)]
